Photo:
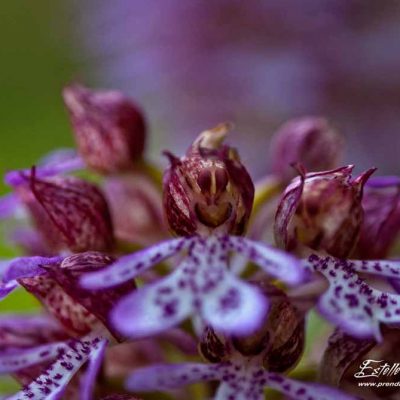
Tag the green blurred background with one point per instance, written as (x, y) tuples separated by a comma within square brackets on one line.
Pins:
[(36, 62)]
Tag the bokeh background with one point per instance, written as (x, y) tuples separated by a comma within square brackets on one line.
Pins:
[(192, 64)]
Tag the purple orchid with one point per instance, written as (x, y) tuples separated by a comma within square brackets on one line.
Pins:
[(244, 365), (323, 212), (207, 196), (240, 380), (251, 332)]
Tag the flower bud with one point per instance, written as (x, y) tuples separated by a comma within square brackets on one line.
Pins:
[(310, 141), (381, 225), (279, 340), (68, 212), (208, 190), (136, 208), (109, 129), (322, 211)]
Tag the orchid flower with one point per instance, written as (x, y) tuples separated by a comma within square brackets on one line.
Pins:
[(208, 196), (244, 365), (322, 212), (240, 380)]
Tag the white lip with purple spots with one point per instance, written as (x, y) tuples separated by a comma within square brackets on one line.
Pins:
[(201, 285)]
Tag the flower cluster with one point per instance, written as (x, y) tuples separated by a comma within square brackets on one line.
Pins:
[(114, 288)]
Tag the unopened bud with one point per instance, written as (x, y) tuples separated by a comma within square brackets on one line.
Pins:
[(381, 224), (310, 141), (208, 189), (68, 212), (322, 211), (109, 128), (136, 208)]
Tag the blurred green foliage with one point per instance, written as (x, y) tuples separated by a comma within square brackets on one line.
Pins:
[(36, 63)]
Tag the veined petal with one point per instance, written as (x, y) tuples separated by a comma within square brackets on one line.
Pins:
[(234, 306), (99, 303), (351, 303), (27, 267), (89, 379), (76, 319), (51, 384), (154, 308), (171, 376), (275, 262), (304, 391), (130, 266), (285, 212), (11, 361), (76, 210)]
